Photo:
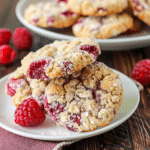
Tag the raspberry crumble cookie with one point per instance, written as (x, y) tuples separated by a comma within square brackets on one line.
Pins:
[(60, 58), (141, 9), (102, 27), (19, 87), (85, 100), (50, 14), (97, 7)]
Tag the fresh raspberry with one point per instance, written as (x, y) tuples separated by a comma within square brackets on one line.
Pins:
[(13, 84), (37, 69), (29, 113), (5, 35), (54, 109), (7, 54), (141, 72), (22, 38), (91, 50), (75, 118)]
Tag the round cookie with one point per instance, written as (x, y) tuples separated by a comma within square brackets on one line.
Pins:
[(85, 100), (141, 9), (19, 87), (102, 27), (97, 7), (60, 58), (49, 14)]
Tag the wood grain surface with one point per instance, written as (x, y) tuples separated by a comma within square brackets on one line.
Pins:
[(134, 134)]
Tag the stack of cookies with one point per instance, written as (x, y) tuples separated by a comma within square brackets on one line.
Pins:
[(98, 19), (68, 83)]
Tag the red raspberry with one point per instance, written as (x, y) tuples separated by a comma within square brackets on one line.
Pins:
[(66, 67), (91, 50), (5, 35), (22, 38), (29, 113), (141, 72), (7, 54), (37, 69)]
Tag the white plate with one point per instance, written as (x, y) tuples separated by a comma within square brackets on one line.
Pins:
[(138, 40), (49, 131)]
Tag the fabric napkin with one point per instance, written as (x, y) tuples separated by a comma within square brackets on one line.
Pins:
[(11, 141)]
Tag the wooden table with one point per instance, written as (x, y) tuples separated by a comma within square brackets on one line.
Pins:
[(135, 132)]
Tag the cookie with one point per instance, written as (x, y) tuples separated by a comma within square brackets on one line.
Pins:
[(102, 27), (60, 58), (19, 87), (85, 100), (49, 14), (135, 28), (137, 25), (97, 7), (141, 9)]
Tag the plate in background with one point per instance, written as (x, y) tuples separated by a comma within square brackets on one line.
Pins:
[(126, 42)]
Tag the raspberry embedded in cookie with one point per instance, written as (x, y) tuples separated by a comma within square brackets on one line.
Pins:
[(91, 50), (136, 2), (37, 69), (40, 100), (79, 21), (65, 1), (67, 66), (101, 9), (95, 29), (97, 97), (13, 84), (71, 127), (139, 7), (67, 13), (54, 109), (50, 20), (75, 118), (35, 21)]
